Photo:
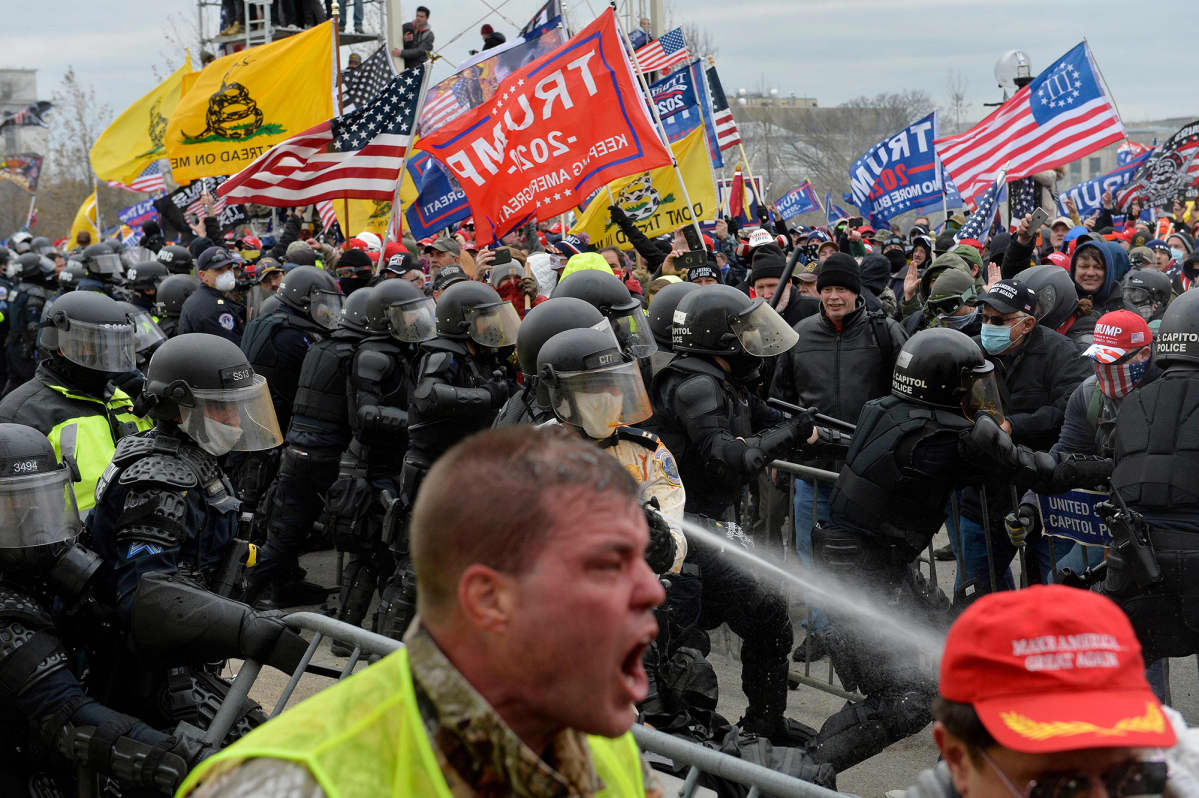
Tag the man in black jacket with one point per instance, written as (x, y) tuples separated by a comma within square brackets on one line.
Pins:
[(843, 359), (1037, 370)]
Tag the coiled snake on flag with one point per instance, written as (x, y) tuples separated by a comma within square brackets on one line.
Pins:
[(231, 105)]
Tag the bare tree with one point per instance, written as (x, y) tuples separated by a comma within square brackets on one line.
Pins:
[(700, 41), (955, 89)]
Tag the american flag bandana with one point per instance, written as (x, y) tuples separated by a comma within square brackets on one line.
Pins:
[(1118, 379)]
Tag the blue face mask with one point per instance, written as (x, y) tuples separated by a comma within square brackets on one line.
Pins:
[(995, 339), (958, 322), (1178, 255)]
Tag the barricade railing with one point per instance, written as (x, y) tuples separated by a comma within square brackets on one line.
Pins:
[(696, 758)]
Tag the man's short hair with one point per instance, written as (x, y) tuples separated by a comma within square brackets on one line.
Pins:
[(423, 8), (963, 722), (493, 498)]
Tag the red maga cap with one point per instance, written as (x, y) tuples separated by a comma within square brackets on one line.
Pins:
[(1053, 668), (1118, 333)]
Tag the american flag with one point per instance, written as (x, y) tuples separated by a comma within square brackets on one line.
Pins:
[(196, 208), (979, 223), (1024, 197), (150, 181), (666, 51), (450, 101), (358, 154), (328, 215), (727, 134), (363, 83), (29, 115), (1061, 116)]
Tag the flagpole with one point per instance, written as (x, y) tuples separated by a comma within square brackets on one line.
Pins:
[(678, 173), (29, 215), (395, 198), (99, 223), (333, 20), (748, 172)]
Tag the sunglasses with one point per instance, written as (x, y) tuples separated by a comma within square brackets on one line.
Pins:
[(947, 305), (1127, 780)]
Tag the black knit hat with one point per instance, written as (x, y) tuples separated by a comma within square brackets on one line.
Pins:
[(768, 264), (840, 269)]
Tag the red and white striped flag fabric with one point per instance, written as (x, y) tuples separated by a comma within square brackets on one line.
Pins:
[(328, 215), (666, 51), (150, 181), (1061, 116), (727, 134), (358, 154), (196, 208)]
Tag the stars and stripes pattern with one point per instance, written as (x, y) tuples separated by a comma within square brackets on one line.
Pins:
[(29, 115), (327, 214), (446, 106), (665, 51), (727, 134), (358, 154), (1025, 196), (196, 207), (1061, 116), (363, 83), (979, 223), (150, 181)]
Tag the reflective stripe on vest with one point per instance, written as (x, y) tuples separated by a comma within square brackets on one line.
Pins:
[(364, 737)]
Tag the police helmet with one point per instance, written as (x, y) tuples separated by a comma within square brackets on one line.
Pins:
[(609, 295), (32, 268), (940, 367), (100, 261), (146, 275), (1147, 293), (589, 382), (41, 245), (269, 305), (92, 330), (400, 308), (661, 311), (38, 515), (177, 259), (173, 292), (1057, 296), (1178, 336), (551, 317), (314, 293), (21, 242), (354, 315), (71, 274), (474, 310), (146, 333), (205, 384), (114, 246), (721, 320)]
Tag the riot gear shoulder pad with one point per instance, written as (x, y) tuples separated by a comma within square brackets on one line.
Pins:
[(372, 366), (699, 394), (639, 436), (160, 469)]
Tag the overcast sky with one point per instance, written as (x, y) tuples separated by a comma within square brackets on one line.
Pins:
[(832, 50)]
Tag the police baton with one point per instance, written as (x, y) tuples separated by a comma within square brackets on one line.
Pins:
[(828, 421), (785, 280)]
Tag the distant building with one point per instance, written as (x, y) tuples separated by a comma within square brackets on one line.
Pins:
[(18, 89)]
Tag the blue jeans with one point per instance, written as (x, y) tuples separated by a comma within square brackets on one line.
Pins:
[(341, 23), (974, 557), (805, 492)]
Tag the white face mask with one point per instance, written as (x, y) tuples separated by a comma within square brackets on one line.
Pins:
[(220, 438), (225, 281), (599, 413)]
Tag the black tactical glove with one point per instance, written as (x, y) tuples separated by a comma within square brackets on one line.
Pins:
[(1083, 471), (618, 215), (529, 287), (266, 639), (987, 437), (1021, 523), (802, 425), (499, 391), (660, 552)]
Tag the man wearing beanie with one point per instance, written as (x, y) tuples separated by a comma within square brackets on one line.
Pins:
[(844, 358), (766, 270)]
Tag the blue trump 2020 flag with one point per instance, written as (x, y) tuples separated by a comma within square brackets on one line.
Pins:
[(801, 199), (682, 100), (1088, 195), (440, 201), (899, 173)]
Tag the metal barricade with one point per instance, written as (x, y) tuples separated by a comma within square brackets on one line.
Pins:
[(697, 758)]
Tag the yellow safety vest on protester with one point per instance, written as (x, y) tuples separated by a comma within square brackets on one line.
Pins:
[(364, 737)]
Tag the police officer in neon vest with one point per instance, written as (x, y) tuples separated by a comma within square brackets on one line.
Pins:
[(499, 690), (90, 340)]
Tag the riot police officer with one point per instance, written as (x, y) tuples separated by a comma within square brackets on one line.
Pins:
[(723, 435), (172, 293), (910, 451), (1147, 293), (317, 435), (212, 308), (46, 590), (177, 259), (530, 405), (661, 320), (365, 501), (1153, 562), (88, 340), (142, 281), (624, 312), (34, 274), (103, 269)]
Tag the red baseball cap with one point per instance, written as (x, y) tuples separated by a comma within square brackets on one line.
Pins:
[(1053, 668), (1116, 334)]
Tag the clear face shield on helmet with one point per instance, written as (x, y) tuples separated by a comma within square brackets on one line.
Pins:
[(413, 321), (38, 510), (762, 331), (146, 333), (982, 393), (135, 255), (100, 347), (107, 263), (633, 333), (232, 419), (325, 308), (600, 400), (493, 325), (1140, 301)]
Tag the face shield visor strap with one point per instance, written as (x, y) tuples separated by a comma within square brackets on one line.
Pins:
[(235, 420), (633, 333), (106, 264), (762, 331), (601, 400), (325, 307), (101, 347), (493, 326), (413, 321), (38, 510), (982, 393)]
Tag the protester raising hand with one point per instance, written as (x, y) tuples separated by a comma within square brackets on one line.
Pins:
[(911, 282), (1023, 234), (993, 274)]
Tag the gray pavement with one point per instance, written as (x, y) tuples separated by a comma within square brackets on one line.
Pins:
[(894, 768)]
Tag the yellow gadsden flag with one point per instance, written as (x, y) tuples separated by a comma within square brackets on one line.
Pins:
[(135, 139), (654, 199), (85, 219), (372, 216), (244, 103)]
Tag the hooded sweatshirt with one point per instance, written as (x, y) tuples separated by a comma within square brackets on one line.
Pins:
[(876, 274), (1115, 260)]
